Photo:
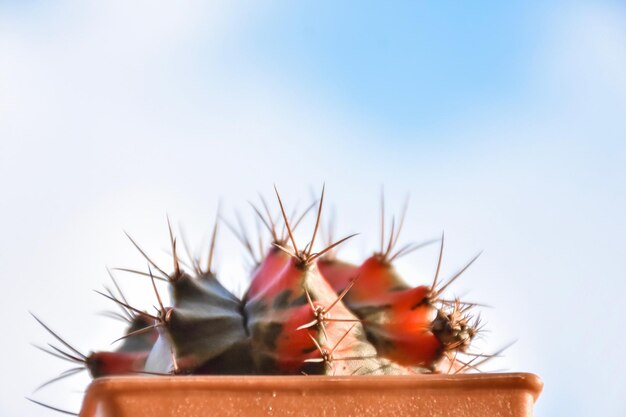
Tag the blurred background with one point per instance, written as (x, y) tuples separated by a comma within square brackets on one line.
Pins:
[(504, 121)]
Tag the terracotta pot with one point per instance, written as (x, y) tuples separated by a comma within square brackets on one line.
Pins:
[(201, 396)]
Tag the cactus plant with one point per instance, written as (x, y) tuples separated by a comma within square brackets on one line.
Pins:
[(304, 312)]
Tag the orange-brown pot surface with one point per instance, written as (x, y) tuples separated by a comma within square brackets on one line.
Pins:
[(248, 396)]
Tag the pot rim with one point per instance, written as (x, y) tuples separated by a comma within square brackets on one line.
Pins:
[(518, 380)]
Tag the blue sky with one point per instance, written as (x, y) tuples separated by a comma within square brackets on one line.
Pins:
[(504, 121), (411, 64)]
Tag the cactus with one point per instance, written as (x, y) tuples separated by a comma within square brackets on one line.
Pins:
[(304, 312)]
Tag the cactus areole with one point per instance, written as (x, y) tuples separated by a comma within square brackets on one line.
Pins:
[(305, 312)]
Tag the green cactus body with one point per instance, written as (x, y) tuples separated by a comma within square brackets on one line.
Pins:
[(204, 323)]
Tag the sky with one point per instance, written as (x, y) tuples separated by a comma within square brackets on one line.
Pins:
[(504, 122)]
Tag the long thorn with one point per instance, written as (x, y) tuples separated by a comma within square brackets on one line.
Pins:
[(64, 356), (212, 247), (317, 221), (339, 242), (284, 249), (282, 209), (120, 292), (434, 284), (343, 294), (292, 216), (356, 370), (158, 296), (303, 215), (134, 271), (242, 239), (355, 358), (178, 259), (190, 256), (269, 217), (405, 250), (64, 374), (151, 373), (56, 336), (463, 303), (244, 234), (467, 365), (173, 244), (79, 359), (260, 239), (345, 320), (263, 219), (307, 325), (390, 243), (323, 329), (497, 353), (315, 341), (136, 333), (52, 408), (342, 338), (108, 290), (115, 316), (317, 319), (452, 361), (327, 233), (146, 256), (458, 274), (136, 310), (402, 217), (309, 299), (481, 355)]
